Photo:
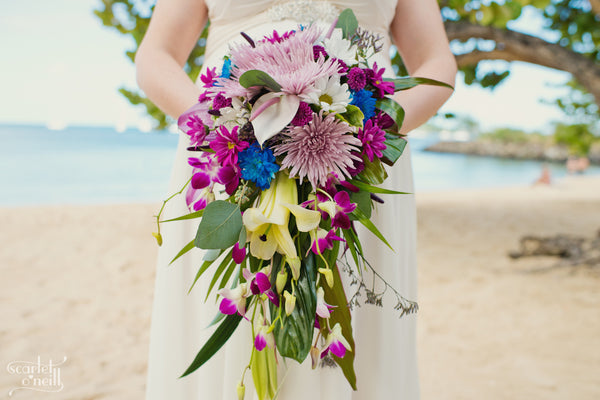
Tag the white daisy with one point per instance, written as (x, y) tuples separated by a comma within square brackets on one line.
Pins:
[(329, 95), (340, 48)]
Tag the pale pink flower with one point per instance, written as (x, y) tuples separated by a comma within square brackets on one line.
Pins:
[(319, 148)]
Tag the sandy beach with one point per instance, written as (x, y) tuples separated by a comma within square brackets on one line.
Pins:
[(78, 281)]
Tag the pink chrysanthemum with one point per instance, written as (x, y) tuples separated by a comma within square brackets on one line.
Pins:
[(372, 138), (314, 150), (290, 63), (227, 145)]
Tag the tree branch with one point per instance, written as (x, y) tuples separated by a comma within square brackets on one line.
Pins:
[(516, 46)]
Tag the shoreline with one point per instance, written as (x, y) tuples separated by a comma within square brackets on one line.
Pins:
[(79, 282)]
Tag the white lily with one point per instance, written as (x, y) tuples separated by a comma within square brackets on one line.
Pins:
[(267, 224), (271, 113), (338, 47)]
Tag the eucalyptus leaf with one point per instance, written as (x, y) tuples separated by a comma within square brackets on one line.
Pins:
[(212, 254), (215, 342), (220, 227), (347, 22), (255, 77)]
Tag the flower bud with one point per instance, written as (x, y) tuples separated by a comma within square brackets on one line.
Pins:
[(281, 280), (241, 391), (315, 357), (158, 238), (290, 302), (294, 264), (328, 274)]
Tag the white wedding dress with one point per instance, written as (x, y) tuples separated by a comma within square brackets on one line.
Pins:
[(385, 360)]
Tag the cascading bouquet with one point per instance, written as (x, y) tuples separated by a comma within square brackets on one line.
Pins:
[(292, 136)]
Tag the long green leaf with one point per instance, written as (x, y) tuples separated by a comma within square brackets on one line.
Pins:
[(187, 248), (196, 214), (226, 262), (374, 172), (341, 314), (391, 108), (255, 77), (294, 333), (374, 189), (227, 275), (216, 341), (350, 242), (412, 81), (370, 226), (362, 199), (205, 265), (220, 227)]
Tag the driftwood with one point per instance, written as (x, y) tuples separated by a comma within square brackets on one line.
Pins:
[(573, 250)]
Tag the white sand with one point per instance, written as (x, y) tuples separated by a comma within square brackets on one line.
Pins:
[(77, 281)]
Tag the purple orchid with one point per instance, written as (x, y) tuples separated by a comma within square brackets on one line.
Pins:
[(234, 300), (260, 283), (336, 343), (338, 209), (323, 309), (263, 336), (238, 253), (324, 241)]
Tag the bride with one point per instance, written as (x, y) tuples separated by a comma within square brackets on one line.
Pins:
[(385, 360)]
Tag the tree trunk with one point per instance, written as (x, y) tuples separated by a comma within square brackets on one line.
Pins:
[(515, 46)]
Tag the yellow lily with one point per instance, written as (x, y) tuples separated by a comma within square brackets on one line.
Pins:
[(267, 224)]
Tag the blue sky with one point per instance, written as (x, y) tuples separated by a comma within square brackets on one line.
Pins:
[(60, 65)]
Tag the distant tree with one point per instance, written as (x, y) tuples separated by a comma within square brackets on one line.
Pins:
[(479, 29)]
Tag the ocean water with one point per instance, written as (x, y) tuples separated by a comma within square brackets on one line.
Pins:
[(97, 165)]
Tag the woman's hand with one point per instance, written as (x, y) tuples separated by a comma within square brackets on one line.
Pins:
[(418, 32), (174, 30)]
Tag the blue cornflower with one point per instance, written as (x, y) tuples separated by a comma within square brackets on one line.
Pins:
[(258, 165), (364, 100), (226, 70)]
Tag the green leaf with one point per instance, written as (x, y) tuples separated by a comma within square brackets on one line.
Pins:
[(374, 172), (220, 227), (242, 238), (205, 265), (347, 22), (353, 116), (227, 275), (351, 246), (336, 297), (218, 318), (363, 201), (412, 81), (294, 333), (187, 248), (255, 77), (391, 108), (374, 189), (196, 214), (370, 226), (228, 260), (216, 341), (394, 148)]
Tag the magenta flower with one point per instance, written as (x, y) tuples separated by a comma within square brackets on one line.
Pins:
[(356, 79), (227, 145), (372, 138), (198, 199), (315, 150), (238, 253), (209, 77), (383, 87), (259, 281), (303, 116), (336, 343), (233, 300), (277, 38), (195, 122), (324, 241), (263, 337), (338, 210), (230, 177), (220, 101)]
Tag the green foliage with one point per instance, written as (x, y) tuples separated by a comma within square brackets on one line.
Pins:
[(511, 135), (131, 18), (220, 227), (578, 138)]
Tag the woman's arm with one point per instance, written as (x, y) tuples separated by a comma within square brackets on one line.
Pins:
[(172, 34), (418, 32)]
